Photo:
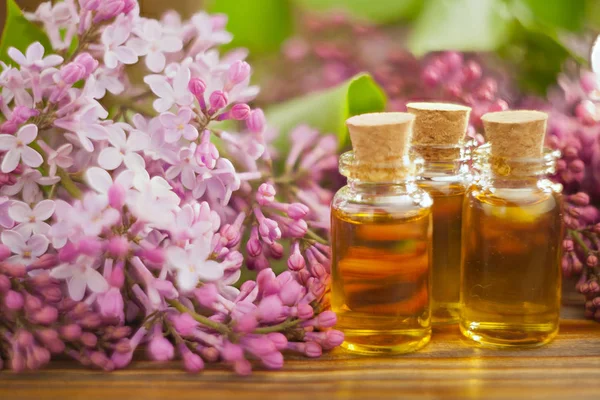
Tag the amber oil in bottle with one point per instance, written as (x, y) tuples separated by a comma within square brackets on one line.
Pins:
[(381, 238), (438, 134), (512, 233)]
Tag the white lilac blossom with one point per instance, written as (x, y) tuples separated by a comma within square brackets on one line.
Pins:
[(121, 222)]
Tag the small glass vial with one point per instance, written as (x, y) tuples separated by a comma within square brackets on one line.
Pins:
[(512, 233), (381, 238), (438, 135)]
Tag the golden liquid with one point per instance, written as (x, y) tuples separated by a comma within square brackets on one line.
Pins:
[(381, 283), (510, 289), (447, 222)]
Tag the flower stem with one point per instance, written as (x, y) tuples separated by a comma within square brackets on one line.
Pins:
[(577, 237), (279, 327), (313, 235), (200, 318)]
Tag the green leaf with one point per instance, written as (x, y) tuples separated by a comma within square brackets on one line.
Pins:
[(464, 25), (328, 110), (259, 25), (19, 32), (380, 11), (592, 11), (564, 14)]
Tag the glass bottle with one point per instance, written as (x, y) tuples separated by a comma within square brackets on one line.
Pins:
[(438, 134), (381, 239), (512, 234)]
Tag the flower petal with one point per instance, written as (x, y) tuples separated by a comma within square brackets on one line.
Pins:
[(7, 142), (63, 271), (99, 179), (19, 211), (170, 44), (35, 52), (44, 210), (17, 56), (96, 281), (210, 271), (10, 161), (38, 245), (177, 257), (126, 55), (14, 241), (155, 61), (31, 157), (137, 141), (76, 286), (110, 158), (27, 133)]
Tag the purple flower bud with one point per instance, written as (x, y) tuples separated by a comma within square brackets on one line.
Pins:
[(24, 338), (242, 367), (118, 246), (32, 303), (90, 5), (291, 292), (13, 270), (72, 73), (4, 252), (14, 300), (129, 6), (197, 87), (472, 71), (278, 339), (116, 196), (452, 59), (273, 360), (68, 253), (297, 228), (52, 294), (88, 339), (269, 230), (154, 255), (91, 321), (334, 338), (240, 111), (88, 62), (22, 113), (71, 332), (4, 284), (297, 211), (192, 362), (253, 246), (218, 100), (246, 323), (270, 309), (232, 352), (591, 261), (160, 349), (305, 311), (256, 121), (109, 9), (276, 251), (327, 319), (90, 246), (184, 324), (577, 166), (121, 359), (101, 360), (111, 305), (207, 295), (239, 71), (313, 350), (579, 199), (586, 112), (117, 277), (265, 194)]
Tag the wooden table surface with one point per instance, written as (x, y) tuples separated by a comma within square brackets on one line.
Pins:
[(448, 368)]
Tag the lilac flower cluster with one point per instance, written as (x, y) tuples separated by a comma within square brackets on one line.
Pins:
[(574, 128), (127, 211), (333, 48)]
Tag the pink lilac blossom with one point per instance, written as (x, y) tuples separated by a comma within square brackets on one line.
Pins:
[(122, 225)]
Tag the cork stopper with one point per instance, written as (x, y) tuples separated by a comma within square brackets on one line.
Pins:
[(380, 137), (516, 141), (380, 142), (515, 134), (439, 123)]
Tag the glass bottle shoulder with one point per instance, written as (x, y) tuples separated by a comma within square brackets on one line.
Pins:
[(380, 204), (522, 204)]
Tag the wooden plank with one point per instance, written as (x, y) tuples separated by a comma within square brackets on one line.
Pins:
[(448, 368)]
